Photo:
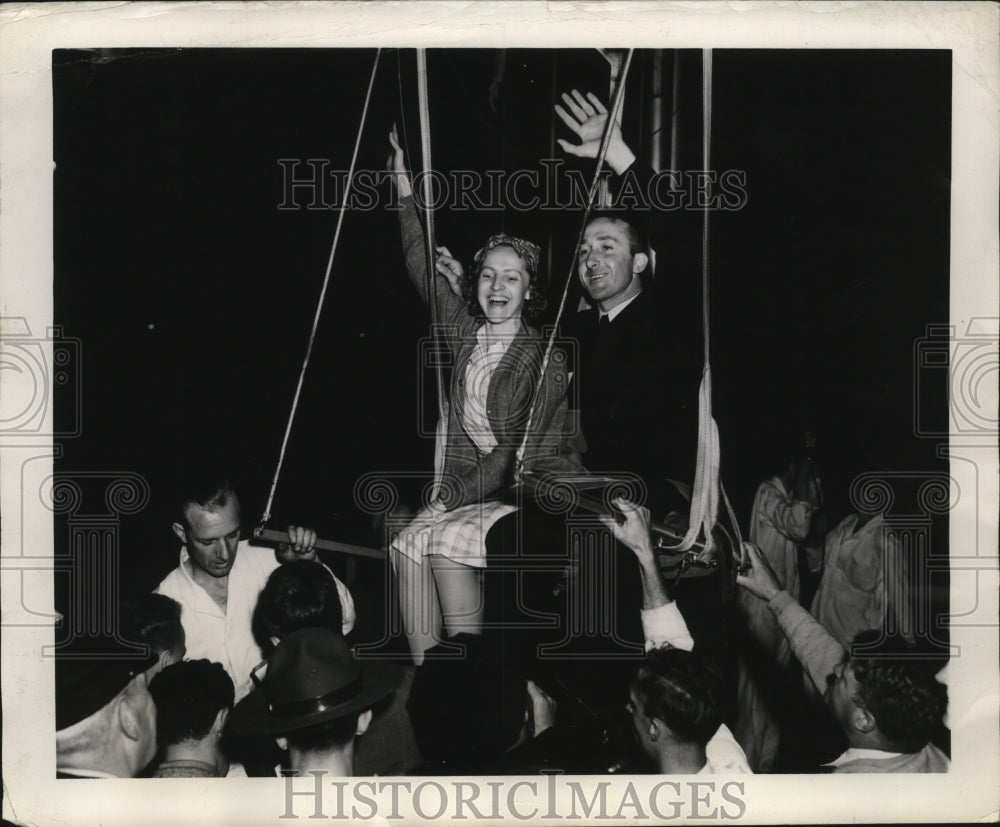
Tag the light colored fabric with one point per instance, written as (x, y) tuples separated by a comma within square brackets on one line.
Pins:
[(665, 626), (226, 637), (78, 773), (929, 759), (865, 581), (813, 646), (724, 755), (459, 535), (479, 371), (186, 768), (778, 524)]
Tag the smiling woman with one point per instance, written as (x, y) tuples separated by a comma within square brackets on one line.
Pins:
[(497, 362)]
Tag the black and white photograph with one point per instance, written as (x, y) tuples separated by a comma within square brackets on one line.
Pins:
[(446, 413)]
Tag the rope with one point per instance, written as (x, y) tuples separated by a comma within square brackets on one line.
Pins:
[(322, 295), (708, 486), (613, 115), (441, 431), (705, 491)]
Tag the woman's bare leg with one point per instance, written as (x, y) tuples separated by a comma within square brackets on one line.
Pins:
[(419, 606), (460, 590)]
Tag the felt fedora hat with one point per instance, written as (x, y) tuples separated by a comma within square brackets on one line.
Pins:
[(312, 677)]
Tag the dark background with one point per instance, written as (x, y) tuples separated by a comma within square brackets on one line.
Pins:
[(193, 294)]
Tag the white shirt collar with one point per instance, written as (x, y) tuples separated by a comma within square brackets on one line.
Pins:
[(618, 308), (857, 753)]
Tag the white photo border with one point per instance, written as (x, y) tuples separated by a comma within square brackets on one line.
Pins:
[(30, 32)]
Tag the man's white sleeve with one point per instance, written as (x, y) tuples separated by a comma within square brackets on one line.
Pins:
[(665, 626)]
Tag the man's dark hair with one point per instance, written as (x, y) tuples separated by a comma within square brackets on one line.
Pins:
[(635, 227), (899, 689), (297, 595), (683, 690), (156, 621), (188, 696), (325, 737), (211, 493)]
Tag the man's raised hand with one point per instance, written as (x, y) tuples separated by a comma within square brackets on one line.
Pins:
[(633, 531), (587, 117), (301, 545), (759, 578)]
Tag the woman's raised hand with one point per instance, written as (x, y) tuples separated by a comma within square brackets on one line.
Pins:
[(450, 267), (396, 163)]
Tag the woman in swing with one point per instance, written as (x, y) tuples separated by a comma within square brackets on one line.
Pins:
[(497, 359)]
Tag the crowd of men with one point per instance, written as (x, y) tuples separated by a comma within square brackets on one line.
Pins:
[(244, 660)]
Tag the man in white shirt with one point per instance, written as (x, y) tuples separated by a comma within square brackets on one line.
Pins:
[(780, 521), (887, 703), (219, 578)]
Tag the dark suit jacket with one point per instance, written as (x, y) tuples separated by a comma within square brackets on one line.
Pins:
[(638, 386)]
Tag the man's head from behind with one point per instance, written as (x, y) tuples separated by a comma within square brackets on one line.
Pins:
[(675, 701), (316, 697), (208, 523), (296, 596), (611, 259), (886, 697), (193, 699), (155, 620)]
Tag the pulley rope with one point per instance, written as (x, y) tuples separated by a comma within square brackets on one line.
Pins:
[(613, 115), (322, 296)]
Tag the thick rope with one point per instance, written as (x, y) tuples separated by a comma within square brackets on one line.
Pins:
[(322, 296), (613, 115)]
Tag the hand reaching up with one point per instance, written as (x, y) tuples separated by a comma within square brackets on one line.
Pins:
[(587, 117), (759, 579), (633, 531), (396, 164)]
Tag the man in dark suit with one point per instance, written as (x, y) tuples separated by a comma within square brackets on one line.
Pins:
[(636, 388), (639, 348), (638, 370), (636, 374)]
